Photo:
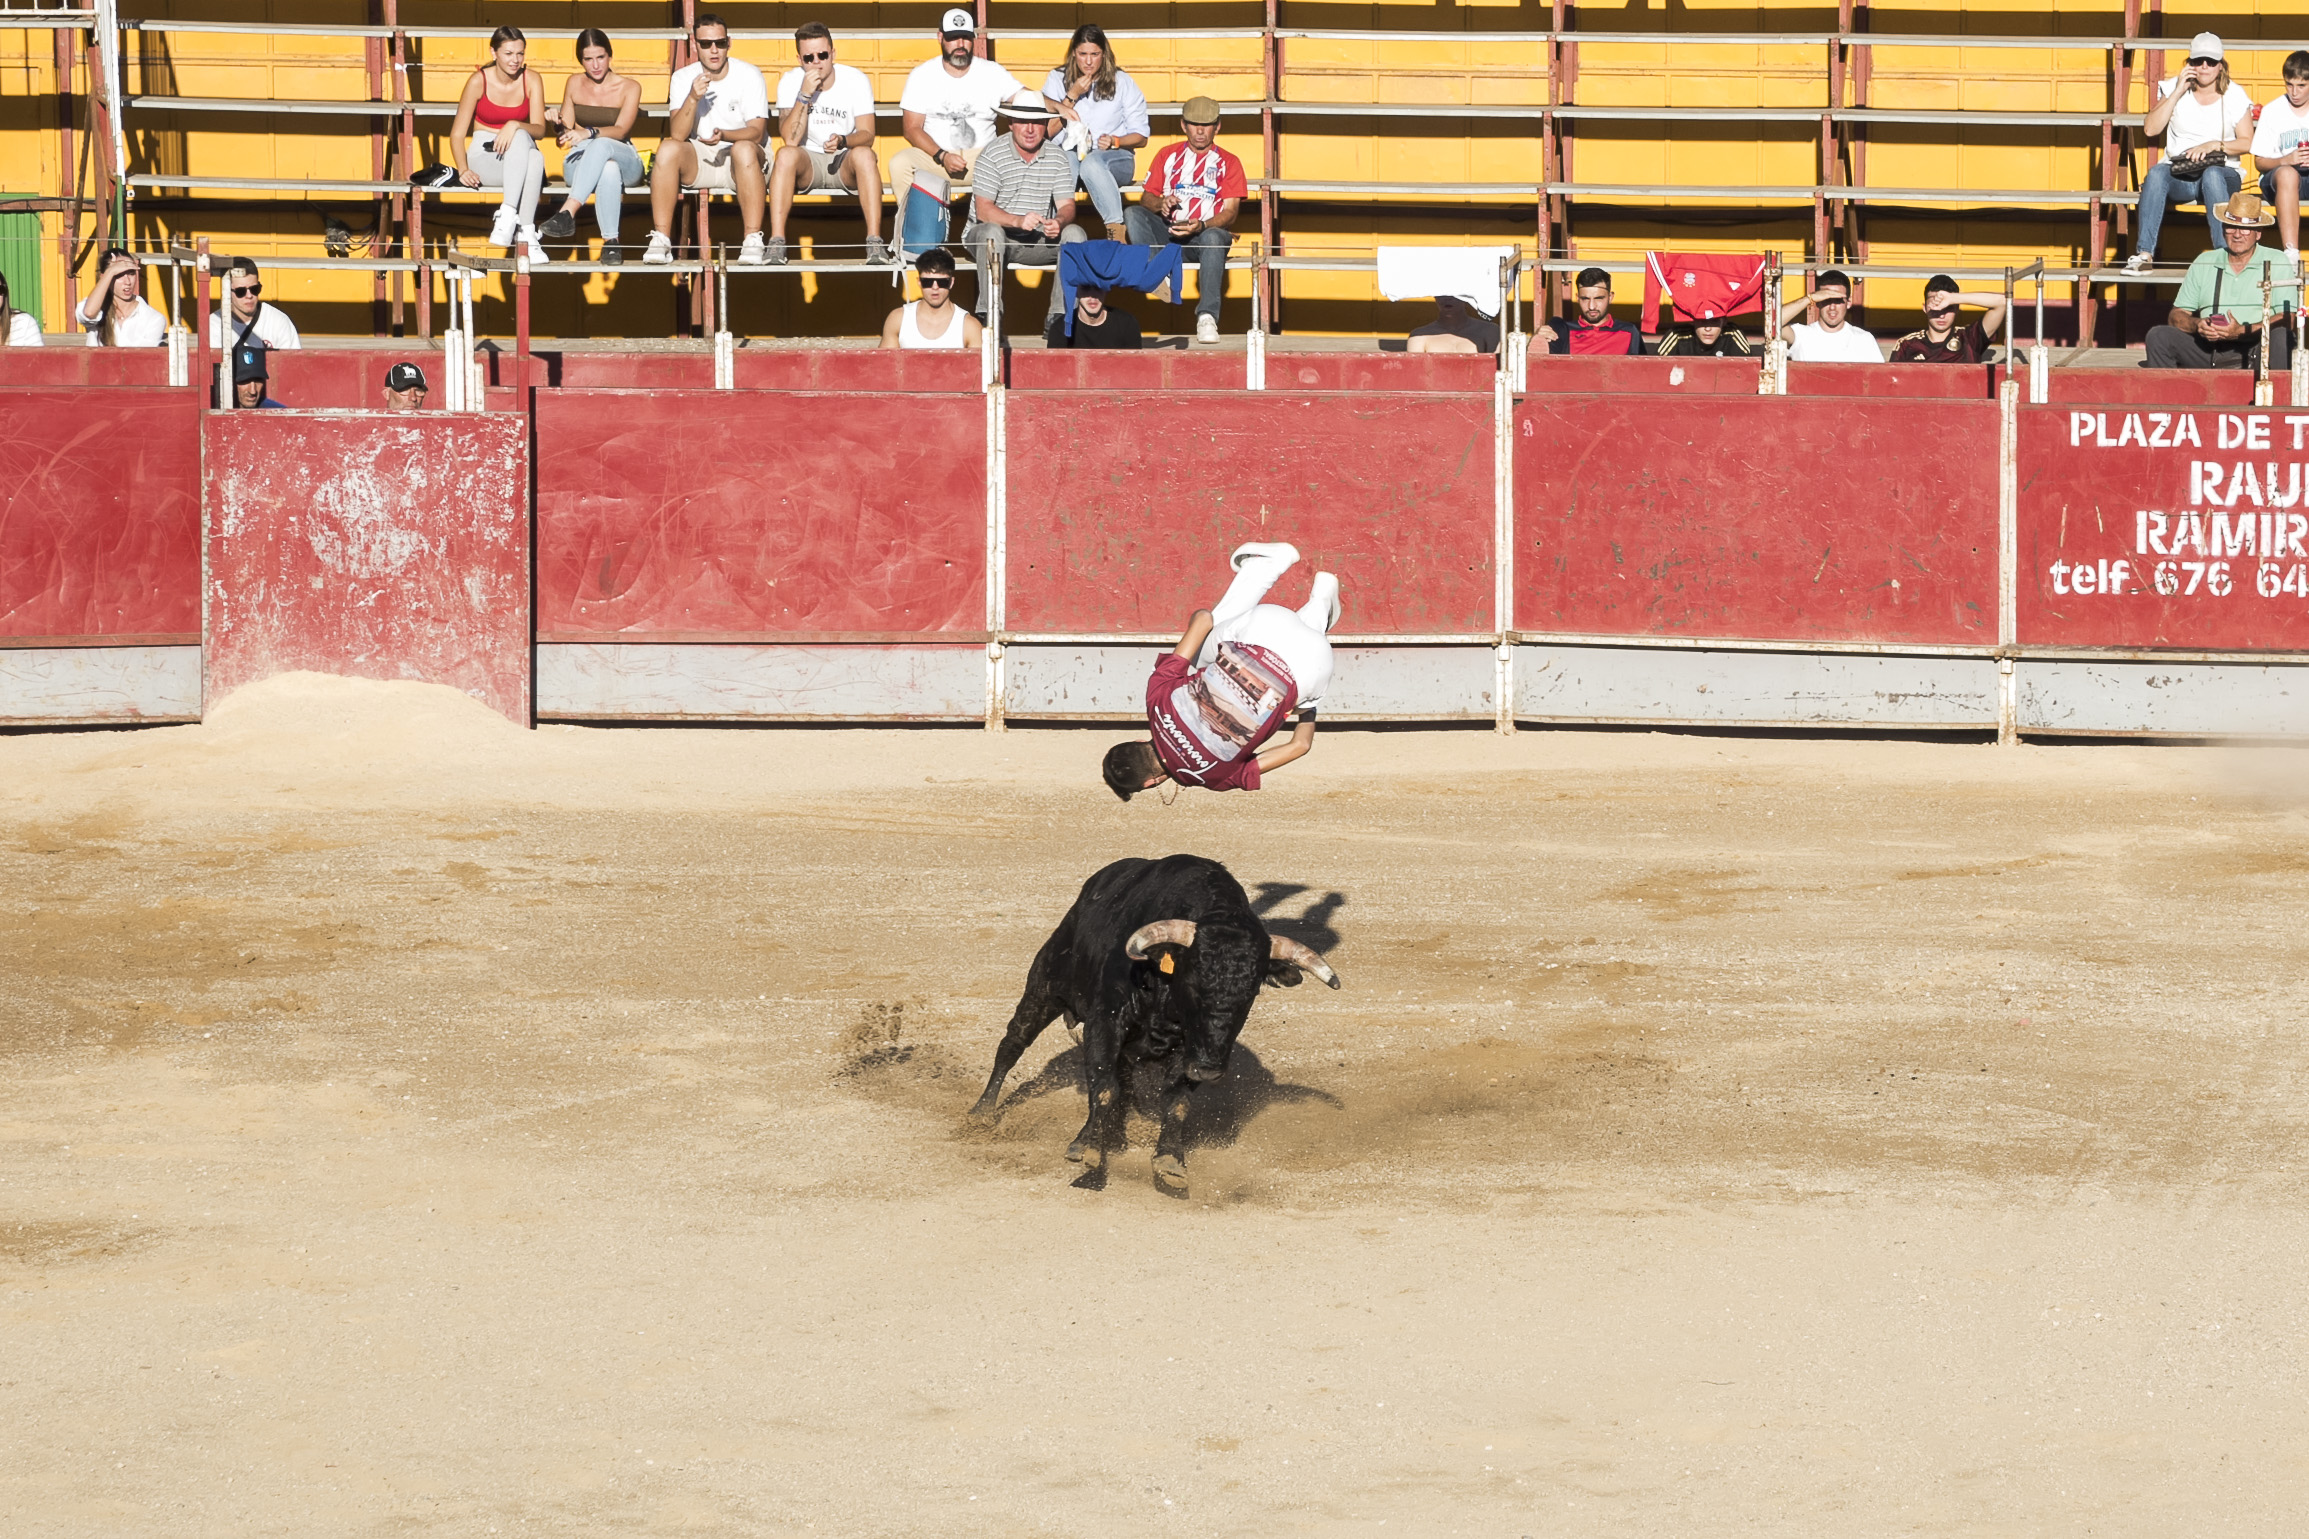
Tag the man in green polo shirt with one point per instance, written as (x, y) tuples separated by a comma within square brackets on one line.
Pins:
[(2216, 322)]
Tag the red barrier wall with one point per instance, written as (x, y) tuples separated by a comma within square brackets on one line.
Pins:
[(1768, 519), (1160, 368), (99, 516), (1121, 508), (1550, 374), (382, 546), (1910, 381), (751, 515), (2171, 528), (853, 368), (1376, 371), (2153, 387), (73, 365)]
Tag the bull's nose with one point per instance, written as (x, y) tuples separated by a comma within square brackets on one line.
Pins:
[(1202, 1073)]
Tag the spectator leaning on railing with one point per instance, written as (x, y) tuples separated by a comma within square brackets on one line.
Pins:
[(18, 328), (246, 316), (933, 323), (115, 313), (2216, 319), (1092, 91), (599, 108), (2281, 151), (1830, 341), (717, 118), (826, 125), (499, 120), (947, 109), (1591, 328), (1191, 196), (1022, 200), (1940, 339), (2207, 122)]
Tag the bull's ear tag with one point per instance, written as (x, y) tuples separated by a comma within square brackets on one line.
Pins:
[(1167, 963)]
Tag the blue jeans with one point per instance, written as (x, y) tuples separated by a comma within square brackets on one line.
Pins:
[(1207, 248), (602, 169), (2162, 190), (1104, 174)]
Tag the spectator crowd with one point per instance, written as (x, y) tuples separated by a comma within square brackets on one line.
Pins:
[(1017, 160)]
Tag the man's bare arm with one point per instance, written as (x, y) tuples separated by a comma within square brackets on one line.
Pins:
[(1198, 632), (1302, 739)]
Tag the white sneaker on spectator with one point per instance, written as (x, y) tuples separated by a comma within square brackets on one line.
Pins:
[(501, 228), (1206, 328), (750, 251), (532, 247), (2140, 261), (660, 249)]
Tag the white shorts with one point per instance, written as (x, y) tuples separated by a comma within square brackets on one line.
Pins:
[(715, 170)]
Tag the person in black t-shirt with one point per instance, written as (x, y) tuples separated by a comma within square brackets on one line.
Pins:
[(1098, 324), (1706, 339)]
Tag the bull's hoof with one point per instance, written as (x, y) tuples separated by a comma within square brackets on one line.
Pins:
[(1074, 1151), (1092, 1179), (1170, 1174)]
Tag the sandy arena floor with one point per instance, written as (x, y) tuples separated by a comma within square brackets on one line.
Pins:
[(412, 1125)]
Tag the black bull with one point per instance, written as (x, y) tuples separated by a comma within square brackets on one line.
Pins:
[(1160, 962)]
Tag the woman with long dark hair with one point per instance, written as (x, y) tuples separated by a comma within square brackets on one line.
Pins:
[(502, 113), (115, 313), (18, 328), (1091, 89), (598, 109)]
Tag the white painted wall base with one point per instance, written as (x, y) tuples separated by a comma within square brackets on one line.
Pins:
[(2163, 699), (1678, 686), (99, 684), (1061, 682), (607, 681)]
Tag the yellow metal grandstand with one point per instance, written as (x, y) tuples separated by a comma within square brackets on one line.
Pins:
[(1893, 143)]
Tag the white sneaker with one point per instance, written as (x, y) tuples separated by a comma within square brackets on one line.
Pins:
[(750, 251), (2140, 262), (1326, 593), (532, 247), (1206, 328), (1279, 550), (501, 228), (659, 250)]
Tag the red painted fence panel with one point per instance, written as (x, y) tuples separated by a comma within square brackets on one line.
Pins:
[(2164, 528), (753, 515), (2150, 387), (382, 546), (1766, 519), (1122, 508), (1928, 381), (1156, 368), (1378, 371), (99, 516), (854, 368), (1551, 374), (60, 366)]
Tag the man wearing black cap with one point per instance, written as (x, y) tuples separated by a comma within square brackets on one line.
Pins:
[(405, 388), (1941, 340), (249, 378)]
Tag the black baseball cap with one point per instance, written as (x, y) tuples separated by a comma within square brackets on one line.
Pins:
[(248, 364), (405, 376)]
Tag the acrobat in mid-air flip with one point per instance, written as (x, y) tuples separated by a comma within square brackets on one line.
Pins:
[(1236, 673)]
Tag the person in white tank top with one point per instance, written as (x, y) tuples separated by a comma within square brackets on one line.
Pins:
[(915, 326)]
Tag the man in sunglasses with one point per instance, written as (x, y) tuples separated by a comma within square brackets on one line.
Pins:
[(826, 133), (933, 323), (1830, 341), (252, 321), (717, 118)]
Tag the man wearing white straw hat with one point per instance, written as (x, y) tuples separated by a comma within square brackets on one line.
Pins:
[(1022, 200), (2216, 320)]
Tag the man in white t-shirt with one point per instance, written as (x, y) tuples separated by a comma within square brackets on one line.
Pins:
[(717, 118), (246, 317), (826, 133), (2207, 123), (2281, 151), (947, 109), (1831, 341)]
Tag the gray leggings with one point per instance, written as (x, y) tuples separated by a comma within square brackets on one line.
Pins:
[(603, 169), (520, 171)]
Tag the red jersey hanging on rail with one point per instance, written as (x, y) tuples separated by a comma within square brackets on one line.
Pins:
[(1703, 286)]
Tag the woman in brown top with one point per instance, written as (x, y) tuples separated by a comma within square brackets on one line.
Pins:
[(598, 109)]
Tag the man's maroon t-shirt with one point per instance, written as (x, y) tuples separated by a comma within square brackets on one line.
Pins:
[(1208, 722)]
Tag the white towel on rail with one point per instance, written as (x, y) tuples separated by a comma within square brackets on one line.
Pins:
[(1423, 272)]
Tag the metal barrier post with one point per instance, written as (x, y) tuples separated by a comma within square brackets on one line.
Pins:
[(725, 346), (997, 532), (1503, 551), (1773, 379), (2039, 356), (2264, 388), (2007, 561), (990, 357), (1255, 340), (2300, 360), (200, 309)]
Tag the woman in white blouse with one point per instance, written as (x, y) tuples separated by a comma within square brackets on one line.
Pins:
[(1092, 91), (2207, 123), (115, 313), (18, 328)]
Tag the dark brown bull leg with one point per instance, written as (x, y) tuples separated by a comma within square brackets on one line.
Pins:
[(1037, 1008), (1102, 1129), (1170, 1161)]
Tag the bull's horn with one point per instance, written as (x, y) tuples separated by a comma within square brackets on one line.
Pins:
[(1163, 932), (1286, 950)]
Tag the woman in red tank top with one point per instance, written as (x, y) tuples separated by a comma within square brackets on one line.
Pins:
[(500, 118)]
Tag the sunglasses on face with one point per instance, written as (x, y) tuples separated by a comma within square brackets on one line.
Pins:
[(2204, 61), (812, 58), (937, 283), (713, 42), (251, 292)]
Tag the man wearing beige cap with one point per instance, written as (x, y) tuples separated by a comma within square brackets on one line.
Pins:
[(2216, 320), (1191, 196)]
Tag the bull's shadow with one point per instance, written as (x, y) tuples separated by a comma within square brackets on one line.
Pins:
[(1313, 928), (1220, 1109)]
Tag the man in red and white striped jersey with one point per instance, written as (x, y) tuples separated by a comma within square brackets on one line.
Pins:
[(1190, 198)]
